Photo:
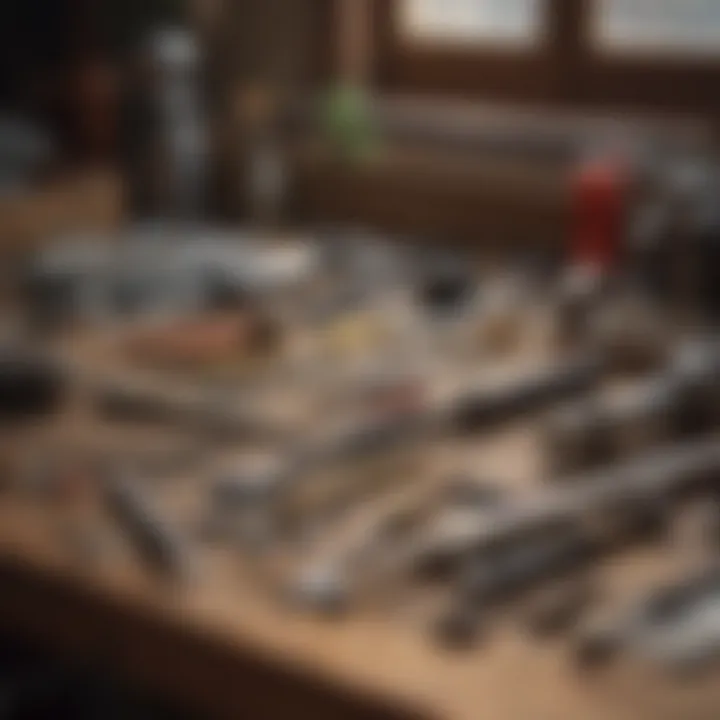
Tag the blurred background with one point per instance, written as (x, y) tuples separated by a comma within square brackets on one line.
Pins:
[(423, 87)]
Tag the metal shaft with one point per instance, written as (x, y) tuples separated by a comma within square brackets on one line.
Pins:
[(472, 410), (649, 478), (157, 543)]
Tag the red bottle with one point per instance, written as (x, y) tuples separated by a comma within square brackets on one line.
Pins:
[(599, 210)]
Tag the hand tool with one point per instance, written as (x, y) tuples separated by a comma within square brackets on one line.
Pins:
[(591, 502), (681, 400), (491, 578), (161, 547), (677, 625), (124, 400), (298, 477), (664, 473), (320, 584)]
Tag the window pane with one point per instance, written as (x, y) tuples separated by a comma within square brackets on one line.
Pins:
[(666, 25), (509, 21)]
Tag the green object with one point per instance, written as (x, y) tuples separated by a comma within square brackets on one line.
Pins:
[(347, 123)]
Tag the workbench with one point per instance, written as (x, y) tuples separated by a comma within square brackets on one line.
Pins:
[(219, 646)]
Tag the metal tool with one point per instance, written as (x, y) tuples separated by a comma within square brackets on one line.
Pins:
[(477, 411), (676, 626), (689, 641), (121, 399), (491, 578), (320, 585), (679, 401), (591, 501), (469, 411), (499, 574), (664, 473), (158, 543)]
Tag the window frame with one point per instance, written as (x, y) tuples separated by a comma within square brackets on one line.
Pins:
[(512, 72), (669, 53), (570, 68)]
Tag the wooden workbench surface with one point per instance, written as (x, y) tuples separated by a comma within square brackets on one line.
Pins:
[(379, 653), (221, 644)]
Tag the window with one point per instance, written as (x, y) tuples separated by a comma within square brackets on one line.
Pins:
[(647, 54), (659, 26), (472, 21), (493, 48)]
